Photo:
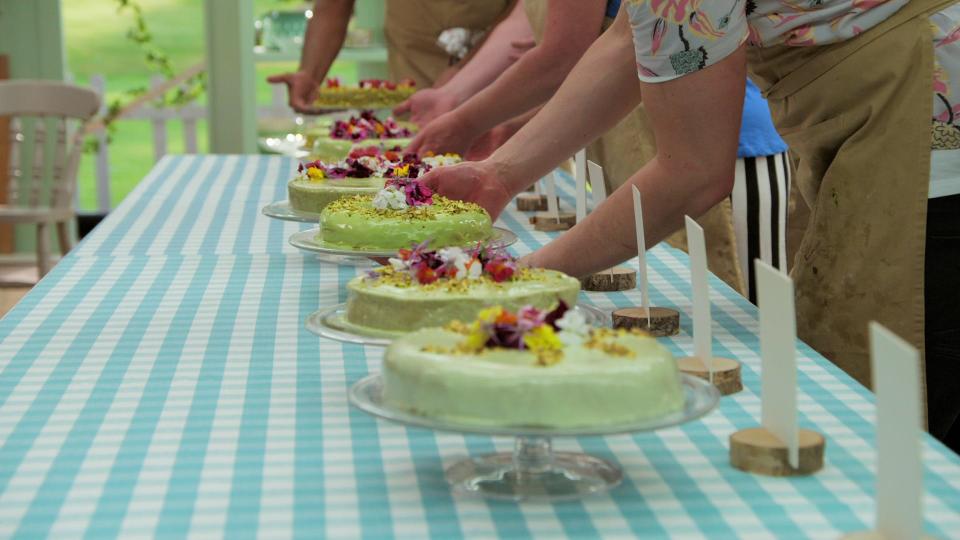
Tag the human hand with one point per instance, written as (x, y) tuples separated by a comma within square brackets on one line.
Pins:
[(301, 90), (487, 144), (473, 181), (445, 134), (426, 105)]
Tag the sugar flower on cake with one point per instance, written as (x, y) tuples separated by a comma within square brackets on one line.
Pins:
[(390, 199), (368, 126), (425, 266), (531, 329), (411, 192)]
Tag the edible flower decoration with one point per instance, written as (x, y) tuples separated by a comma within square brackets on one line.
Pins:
[(426, 266), (543, 333), (402, 193), (368, 126), (351, 168), (387, 85)]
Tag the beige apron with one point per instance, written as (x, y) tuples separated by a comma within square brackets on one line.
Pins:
[(856, 116), (411, 29), (627, 147)]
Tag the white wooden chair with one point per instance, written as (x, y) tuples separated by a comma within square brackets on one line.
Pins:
[(41, 190)]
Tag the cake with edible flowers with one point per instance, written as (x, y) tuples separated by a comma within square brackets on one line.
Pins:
[(368, 94), (531, 368), (365, 130), (423, 287), (404, 212), (317, 184)]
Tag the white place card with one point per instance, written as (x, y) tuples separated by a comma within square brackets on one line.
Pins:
[(597, 185), (778, 332), (550, 187), (702, 331), (580, 177), (896, 381), (641, 250)]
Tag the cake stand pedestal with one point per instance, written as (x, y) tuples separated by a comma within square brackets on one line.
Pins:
[(533, 471)]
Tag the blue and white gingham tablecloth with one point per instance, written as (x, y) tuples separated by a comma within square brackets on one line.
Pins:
[(159, 382)]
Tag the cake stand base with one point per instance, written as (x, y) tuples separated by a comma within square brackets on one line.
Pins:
[(534, 472)]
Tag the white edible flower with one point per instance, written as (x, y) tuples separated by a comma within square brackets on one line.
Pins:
[(391, 198), (369, 162), (467, 267), (398, 264), (573, 328)]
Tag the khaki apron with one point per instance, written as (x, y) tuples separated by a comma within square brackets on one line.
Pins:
[(411, 29), (857, 120), (627, 147)]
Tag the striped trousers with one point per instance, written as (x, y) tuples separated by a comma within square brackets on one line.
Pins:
[(761, 192)]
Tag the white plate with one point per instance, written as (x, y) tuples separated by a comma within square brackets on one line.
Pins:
[(282, 210), (293, 145), (307, 241), (331, 323)]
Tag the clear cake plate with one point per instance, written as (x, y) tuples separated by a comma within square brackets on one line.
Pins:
[(331, 323), (283, 211), (307, 241), (533, 471)]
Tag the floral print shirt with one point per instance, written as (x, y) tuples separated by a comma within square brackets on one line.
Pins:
[(675, 37)]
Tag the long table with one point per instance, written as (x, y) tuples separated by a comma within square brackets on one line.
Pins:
[(159, 381)]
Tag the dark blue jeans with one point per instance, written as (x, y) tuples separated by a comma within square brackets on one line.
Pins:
[(942, 306)]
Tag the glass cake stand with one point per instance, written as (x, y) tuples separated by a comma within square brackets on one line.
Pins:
[(307, 241), (533, 471), (331, 323), (291, 145), (283, 211)]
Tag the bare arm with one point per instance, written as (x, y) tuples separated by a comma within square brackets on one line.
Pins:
[(571, 26), (696, 119), (321, 45)]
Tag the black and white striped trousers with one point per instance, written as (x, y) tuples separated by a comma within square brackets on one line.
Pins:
[(761, 191)]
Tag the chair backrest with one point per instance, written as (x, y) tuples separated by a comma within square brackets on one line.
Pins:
[(40, 113)]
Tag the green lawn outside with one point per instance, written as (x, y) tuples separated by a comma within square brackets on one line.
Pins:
[(96, 44)]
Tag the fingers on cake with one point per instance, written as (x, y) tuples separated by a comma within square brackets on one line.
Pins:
[(364, 172)]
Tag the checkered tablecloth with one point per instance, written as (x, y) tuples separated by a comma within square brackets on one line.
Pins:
[(159, 382)]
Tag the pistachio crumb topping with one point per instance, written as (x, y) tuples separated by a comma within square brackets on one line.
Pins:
[(362, 205)]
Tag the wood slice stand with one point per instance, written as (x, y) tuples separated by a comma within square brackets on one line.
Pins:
[(662, 321), (726, 373), (532, 202), (543, 221), (618, 278), (758, 451)]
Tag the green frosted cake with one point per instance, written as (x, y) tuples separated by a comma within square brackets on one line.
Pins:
[(531, 369), (326, 149), (404, 212), (422, 288), (368, 94), (365, 171), (363, 131)]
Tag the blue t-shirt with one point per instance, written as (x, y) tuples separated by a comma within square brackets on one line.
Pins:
[(613, 6), (758, 136)]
